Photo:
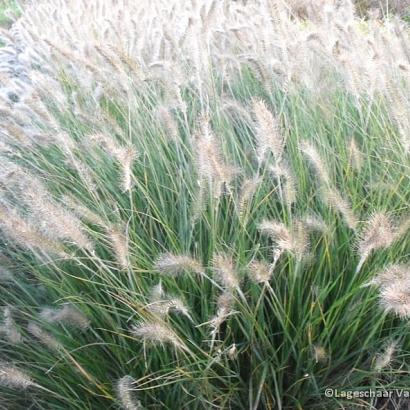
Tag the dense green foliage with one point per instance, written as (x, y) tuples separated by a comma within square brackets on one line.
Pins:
[(311, 327)]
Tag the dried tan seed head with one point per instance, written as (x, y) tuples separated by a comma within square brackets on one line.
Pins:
[(385, 358), (157, 333), (44, 337), (320, 354), (68, 315), (259, 271), (13, 377), (377, 234), (119, 245), (334, 199), (173, 265), (314, 158), (125, 394), (9, 328), (224, 268), (395, 298), (269, 138)]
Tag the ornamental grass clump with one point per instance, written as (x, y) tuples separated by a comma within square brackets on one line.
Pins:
[(203, 205)]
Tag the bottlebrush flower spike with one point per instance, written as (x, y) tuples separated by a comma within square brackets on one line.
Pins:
[(225, 270), (14, 378), (173, 265), (68, 315), (269, 138), (125, 394), (377, 234), (157, 333)]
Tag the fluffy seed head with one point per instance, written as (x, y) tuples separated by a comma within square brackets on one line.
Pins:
[(224, 268), (377, 234), (51, 218), (391, 274), (161, 304), (82, 211), (9, 327), (355, 155), (269, 138), (247, 191), (278, 232), (67, 315), (224, 305), (13, 377), (259, 271), (211, 166), (294, 240), (173, 265), (385, 358), (157, 333), (395, 298), (333, 198), (320, 354), (44, 337), (169, 123), (25, 234), (126, 157), (119, 244), (125, 394), (316, 161), (315, 223)]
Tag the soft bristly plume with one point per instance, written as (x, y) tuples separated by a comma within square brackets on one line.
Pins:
[(355, 155), (260, 271), (9, 327), (225, 305), (44, 337), (385, 358), (126, 158), (225, 270), (67, 315), (173, 265), (316, 161), (283, 171), (333, 198), (82, 211), (124, 155), (12, 377), (394, 289), (294, 240), (391, 274), (52, 218), (377, 234), (278, 232), (316, 223), (119, 246), (162, 304), (329, 194), (157, 333), (395, 298), (125, 394), (403, 226), (269, 138), (320, 354), (26, 235), (247, 191), (168, 122), (212, 169)]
